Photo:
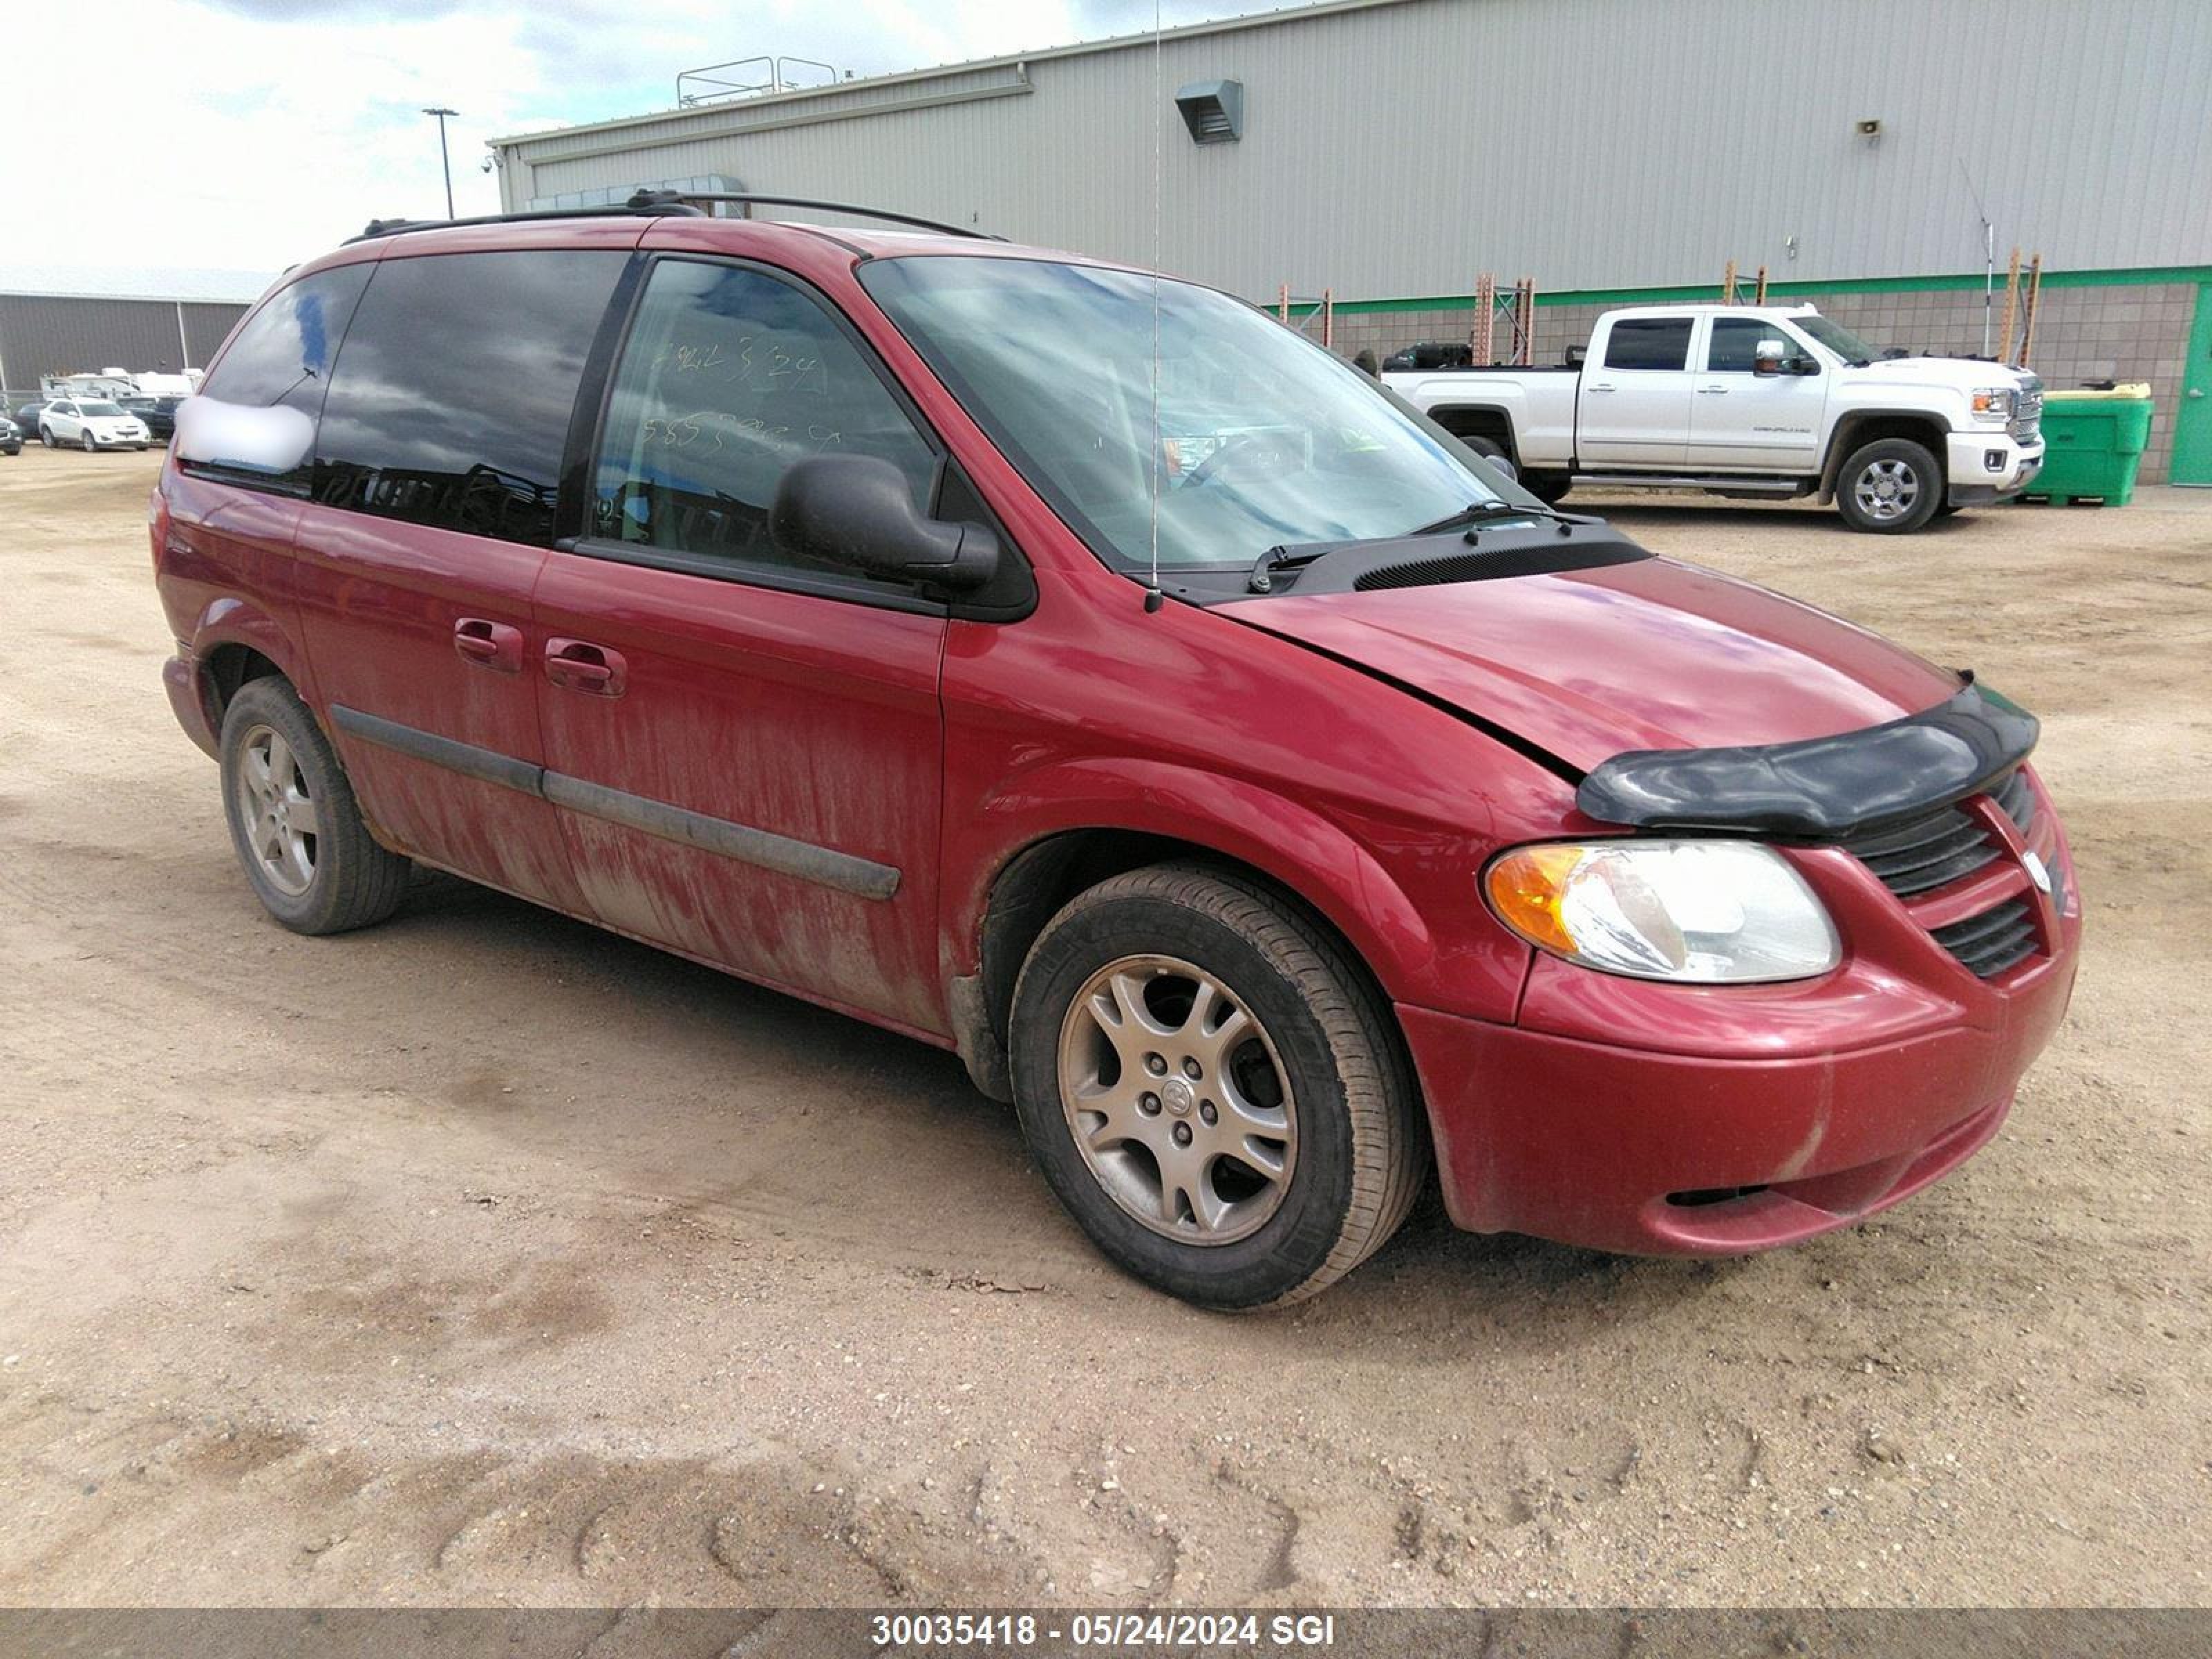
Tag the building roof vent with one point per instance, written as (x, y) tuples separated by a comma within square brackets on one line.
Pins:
[(1214, 111)]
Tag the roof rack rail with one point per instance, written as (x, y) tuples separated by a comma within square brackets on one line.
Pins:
[(651, 201), (677, 203), (623, 211)]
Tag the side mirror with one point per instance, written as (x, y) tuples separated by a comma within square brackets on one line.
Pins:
[(857, 511), (1767, 356)]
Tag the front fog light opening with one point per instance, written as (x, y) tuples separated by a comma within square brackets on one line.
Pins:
[(1692, 912), (1994, 459)]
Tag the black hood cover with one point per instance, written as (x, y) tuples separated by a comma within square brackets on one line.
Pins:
[(1822, 788)]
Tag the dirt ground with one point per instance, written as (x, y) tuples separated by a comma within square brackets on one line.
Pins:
[(486, 1258)]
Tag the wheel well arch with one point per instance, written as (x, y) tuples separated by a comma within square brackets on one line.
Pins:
[(1863, 426), (1030, 887), (1479, 421), (226, 670)]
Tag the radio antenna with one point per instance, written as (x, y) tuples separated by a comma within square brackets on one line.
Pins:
[(1152, 595)]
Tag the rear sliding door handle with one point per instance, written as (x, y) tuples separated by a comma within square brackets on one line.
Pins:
[(580, 665), (491, 645)]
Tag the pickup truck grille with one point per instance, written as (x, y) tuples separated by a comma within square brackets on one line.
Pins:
[(2026, 423), (1940, 847)]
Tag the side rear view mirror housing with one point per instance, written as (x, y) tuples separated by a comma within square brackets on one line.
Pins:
[(859, 511)]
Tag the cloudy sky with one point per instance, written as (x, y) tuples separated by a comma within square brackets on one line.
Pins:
[(246, 135)]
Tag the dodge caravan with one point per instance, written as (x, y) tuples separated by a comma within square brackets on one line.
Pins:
[(1075, 669)]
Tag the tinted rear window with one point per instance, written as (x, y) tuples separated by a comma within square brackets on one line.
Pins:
[(1648, 342), (451, 402), (281, 359)]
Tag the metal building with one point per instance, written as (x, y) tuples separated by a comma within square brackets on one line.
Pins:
[(62, 321), (1390, 151)]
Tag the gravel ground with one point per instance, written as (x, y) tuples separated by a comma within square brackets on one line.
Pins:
[(486, 1258)]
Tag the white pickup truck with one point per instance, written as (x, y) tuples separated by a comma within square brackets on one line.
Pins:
[(1751, 401)]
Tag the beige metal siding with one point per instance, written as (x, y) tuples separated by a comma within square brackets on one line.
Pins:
[(1398, 150)]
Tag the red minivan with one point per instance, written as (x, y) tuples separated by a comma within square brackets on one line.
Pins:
[(1074, 668)]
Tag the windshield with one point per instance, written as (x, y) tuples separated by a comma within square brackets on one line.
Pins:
[(1838, 340), (98, 408), (1265, 438)]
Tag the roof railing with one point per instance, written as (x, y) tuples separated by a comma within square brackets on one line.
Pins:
[(670, 204)]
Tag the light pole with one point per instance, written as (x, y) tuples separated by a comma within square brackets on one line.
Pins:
[(444, 161)]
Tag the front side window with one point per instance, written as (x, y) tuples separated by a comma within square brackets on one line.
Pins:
[(1248, 437), (254, 418), (1736, 342), (730, 377), (1652, 343), (451, 402)]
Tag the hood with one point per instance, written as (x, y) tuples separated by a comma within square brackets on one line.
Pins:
[(1953, 373), (1587, 664)]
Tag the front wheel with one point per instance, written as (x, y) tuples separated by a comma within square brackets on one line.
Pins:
[(84, 441), (1890, 487), (298, 834), (1211, 1088)]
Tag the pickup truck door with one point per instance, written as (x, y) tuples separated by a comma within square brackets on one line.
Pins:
[(1742, 421), (1633, 407)]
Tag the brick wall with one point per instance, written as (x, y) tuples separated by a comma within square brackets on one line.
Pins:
[(2082, 334)]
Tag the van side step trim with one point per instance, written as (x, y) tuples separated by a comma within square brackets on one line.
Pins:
[(825, 867)]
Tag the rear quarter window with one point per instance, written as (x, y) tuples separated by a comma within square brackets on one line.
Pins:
[(452, 399), (254, 418)]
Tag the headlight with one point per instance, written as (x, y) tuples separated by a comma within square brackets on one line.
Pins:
[(1698, 912), (1994, 403)]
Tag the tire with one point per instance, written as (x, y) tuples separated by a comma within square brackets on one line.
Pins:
[(1549, 487), (47, 436), (1490, 449), (1316, 1059), (345, 880), (1891, 487)]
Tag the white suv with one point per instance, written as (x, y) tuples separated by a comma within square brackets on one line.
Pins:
[(90, 423)]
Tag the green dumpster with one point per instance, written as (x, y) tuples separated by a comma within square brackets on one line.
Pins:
[(2093, 443)]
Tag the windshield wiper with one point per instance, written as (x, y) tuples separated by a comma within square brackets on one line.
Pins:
[(1295, 557), (1478, 512)]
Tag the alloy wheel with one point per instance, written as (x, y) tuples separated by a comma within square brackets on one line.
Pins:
[(1178, 1100), (1887, 489), (281, 816)]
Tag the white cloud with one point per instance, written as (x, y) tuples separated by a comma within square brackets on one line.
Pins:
[(253, 134)]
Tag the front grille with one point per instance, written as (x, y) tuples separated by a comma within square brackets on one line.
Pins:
[(1993, 941), (1942, 846), (2027, 422)]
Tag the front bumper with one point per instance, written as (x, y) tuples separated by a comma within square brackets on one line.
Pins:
[(1989, 466), (1659, 1120)]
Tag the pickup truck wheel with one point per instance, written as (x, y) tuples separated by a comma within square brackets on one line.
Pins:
[(1890, 487), (299, 835), (1549, 487), (1210, 1091)]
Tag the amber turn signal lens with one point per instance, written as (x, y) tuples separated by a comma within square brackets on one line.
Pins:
[(1526, 888)]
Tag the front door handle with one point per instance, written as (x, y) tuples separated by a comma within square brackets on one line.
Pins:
[(580, 665), (1607, 387), (492, 645)]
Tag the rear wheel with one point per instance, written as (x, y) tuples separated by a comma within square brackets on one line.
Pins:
[(1211, 1089), (1890, 487), (1549, 487), (297, 831)]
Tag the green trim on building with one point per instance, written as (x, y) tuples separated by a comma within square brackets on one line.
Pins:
[(1709, 292)]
